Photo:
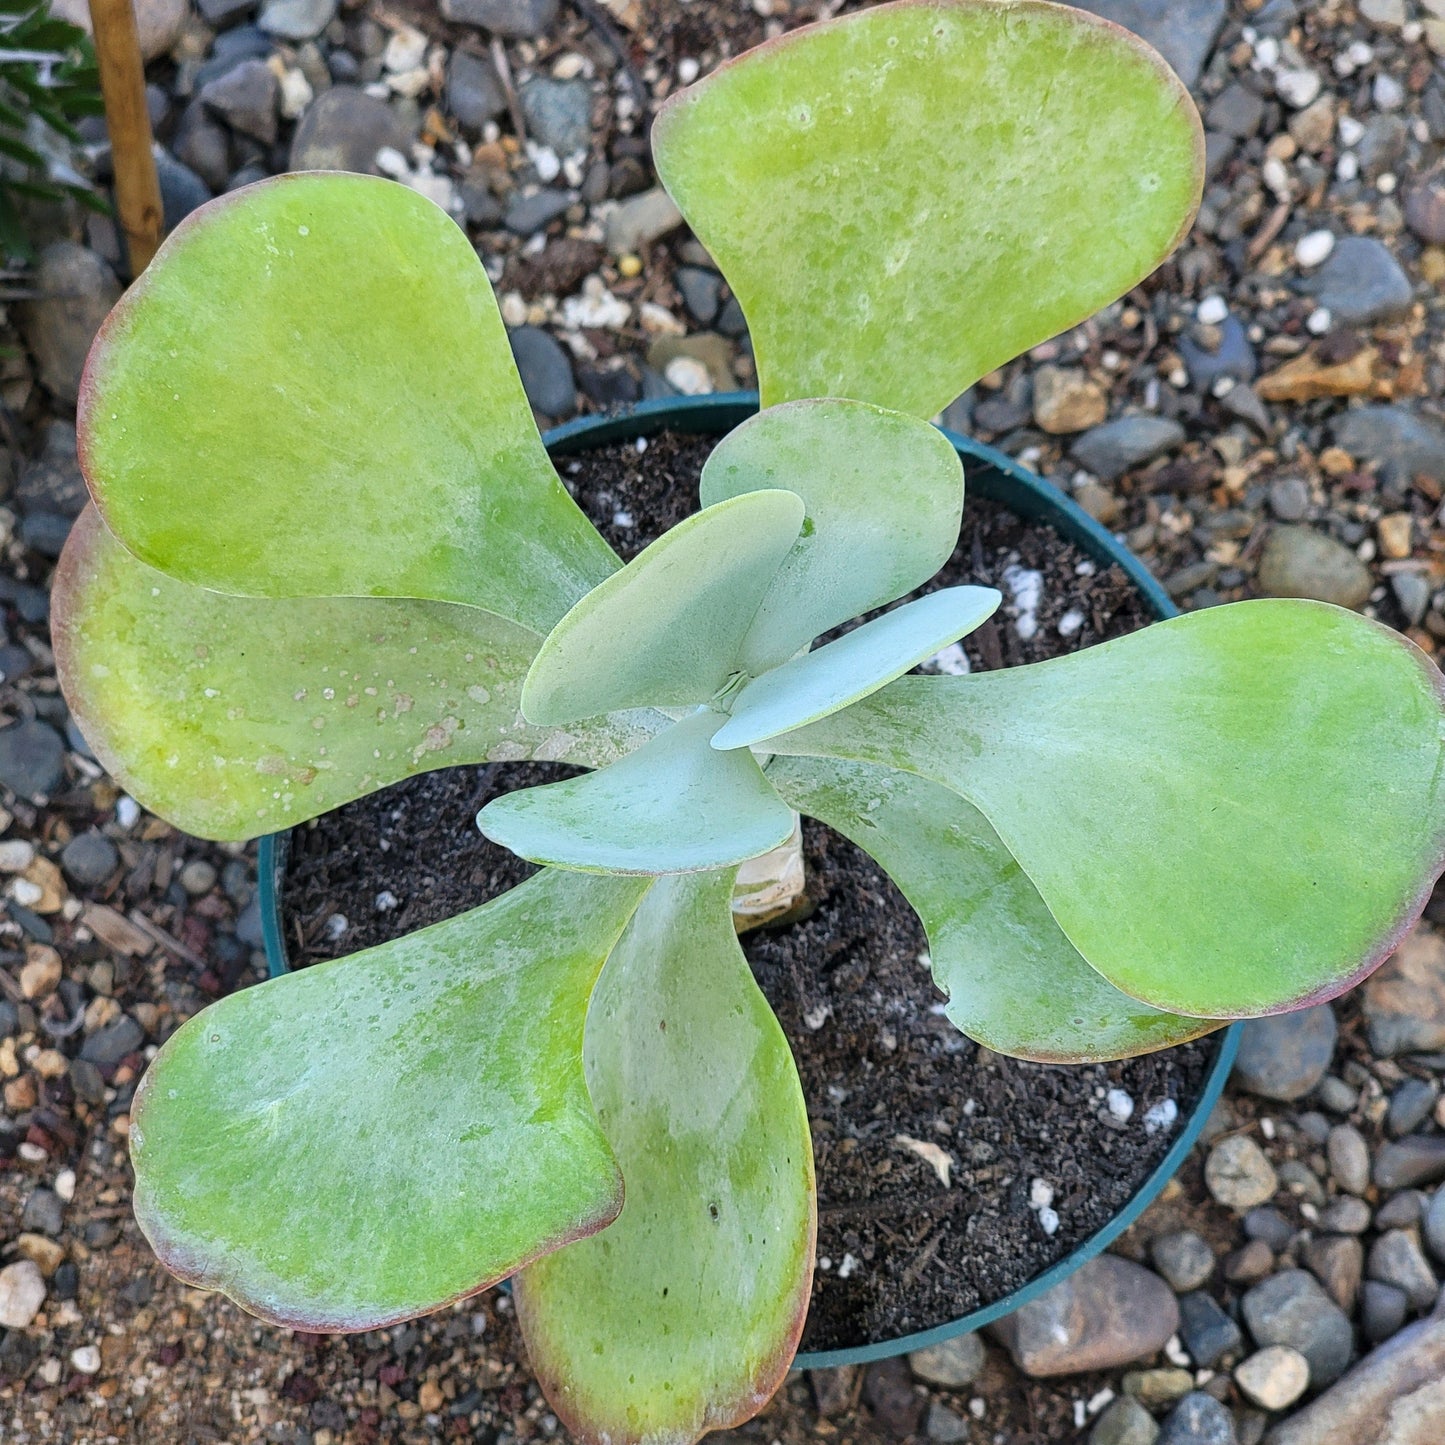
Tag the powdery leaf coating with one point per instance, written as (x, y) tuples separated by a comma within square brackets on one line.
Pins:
[(1013, 981), (310, 393), (676, 805), (236, 716), (852, 666), (905, 198), (884, 494), (280, 1135), (1232, 813), (682, 1317), (667, 630)]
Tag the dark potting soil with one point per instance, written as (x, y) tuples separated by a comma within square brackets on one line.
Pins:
[(898, 1251)]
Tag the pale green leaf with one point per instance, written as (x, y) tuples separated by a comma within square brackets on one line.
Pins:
[(907, 197), (676, 805), (682, 1317), (368, 1139), (309, 392), (1013, 981), (859, 662), (1232, 813), (884, 494), (235, 716), (667, 629)]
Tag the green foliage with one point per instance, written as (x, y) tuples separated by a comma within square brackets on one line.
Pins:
[(48, 81), (333, 554)]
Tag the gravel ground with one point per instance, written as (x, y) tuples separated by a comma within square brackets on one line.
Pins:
[(1262, 417)]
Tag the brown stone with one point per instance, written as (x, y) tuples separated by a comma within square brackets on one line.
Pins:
[(1067, 400), (1404, 1001), (1307, 378)]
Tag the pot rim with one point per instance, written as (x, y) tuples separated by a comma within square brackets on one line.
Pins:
[(1005, 480)]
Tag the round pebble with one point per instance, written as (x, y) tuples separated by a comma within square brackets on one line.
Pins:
[(198, 877), (1273, 1378), (1238, 1174), (1311, 249)]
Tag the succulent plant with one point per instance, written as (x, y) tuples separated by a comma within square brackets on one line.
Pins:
[(328, 551)]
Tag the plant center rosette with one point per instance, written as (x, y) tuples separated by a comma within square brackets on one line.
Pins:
[(328, 551)]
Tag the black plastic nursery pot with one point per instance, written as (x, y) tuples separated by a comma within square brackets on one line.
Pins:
[(992, 475)]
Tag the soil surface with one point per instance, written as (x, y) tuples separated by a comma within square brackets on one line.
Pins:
[(898, 1250)]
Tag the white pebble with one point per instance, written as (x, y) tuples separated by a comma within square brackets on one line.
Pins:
[(687, 70), (1350, 130), (1348, 166), (26, 893), (16, 855), (49, 1370), (1297, 88), (545, 162), (1276, 177), (1389, 94), (1266, 54), (1099, 1401), (1386, 184), (65, 1185), (86, 1359), (1212, 310), (1313, 248), (1361, 53), (688, 375), (1120, 1104), (1319, 321)]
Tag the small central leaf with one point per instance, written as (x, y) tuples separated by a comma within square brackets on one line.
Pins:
[(860, 662), (666, 630), (676, 805)]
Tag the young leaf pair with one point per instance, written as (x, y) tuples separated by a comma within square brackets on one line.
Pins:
[(329, 551)]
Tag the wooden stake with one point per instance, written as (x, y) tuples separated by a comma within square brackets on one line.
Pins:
[(123, 84)]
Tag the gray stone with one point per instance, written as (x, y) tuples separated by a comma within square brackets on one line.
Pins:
[(219, 13), (52, 481), (75, 291), (1425, 210), (1383, 1308), (1238, 1174), (1285, 1056), (1115, 447), (1383, 145), (248, 925), (953, 1364), (1182, 31), (510, 19), (1349, 1158), (1345, 1215), (1236, 111), (344, 128), (87, 1081), (1289, 498), (528, 214), (1385, 14), (1198, 1419), (943, 1425), (245, 98), (546, 371), (1270, 1226), (1412, 592), (1396, 1258), (1395, 1396), (1403, 1163), (1360, 283), (1207, 1332), (701, 292), (1125, 1422), (1434, 1225), (558, 113), (1233, 356), (107, 1046), (1183, 1258), (640, 220), (1336, 1095), (1292, 1309), (1410, 1104), (1402, 444), (182, 190), (89, 859), (474, 94), (201, 144), (1302, 1182), (1401, 1210), (32, 758), (158, 22), (1338, 1262), (1300, 562), (1107, 1313), (296, 19), (43, 1212)]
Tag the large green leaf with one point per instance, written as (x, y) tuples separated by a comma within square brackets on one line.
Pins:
[(676, 805), (368, 1139), (884, 494), (234, 716), (667, 630), (1013, 981), (682, 1317), (906, 197), (1232, 813), (852, 666), (310, 393)]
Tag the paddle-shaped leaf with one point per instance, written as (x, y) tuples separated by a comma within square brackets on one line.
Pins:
[(310, 393), (281, 1136), (234, 716), (854, 665), (1232, 813), (666, 631), (884, 494), (1014, 982), (905, 198), (682, 1317), (676, 805)]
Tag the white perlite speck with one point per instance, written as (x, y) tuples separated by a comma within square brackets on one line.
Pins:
[(952, 661), (1212, 310), (1160, 1116), (1071, 622), (1026, 589), (1120, 1104)]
